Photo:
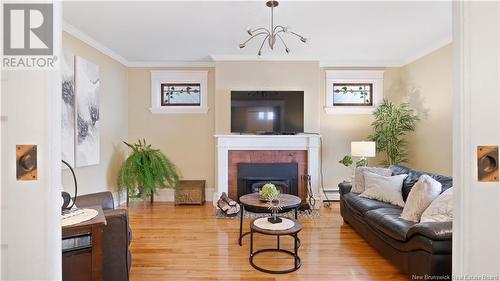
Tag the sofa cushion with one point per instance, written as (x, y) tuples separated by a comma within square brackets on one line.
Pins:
[(385, 189), (361, 205), (358, 184), (388, 221), (414, 175)]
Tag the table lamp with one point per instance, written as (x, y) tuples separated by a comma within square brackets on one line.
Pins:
[(363, 149)]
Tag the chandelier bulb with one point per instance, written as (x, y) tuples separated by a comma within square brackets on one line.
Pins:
[(242, 46), (287, 50), (249, 30), (303, 39), (259, 53)]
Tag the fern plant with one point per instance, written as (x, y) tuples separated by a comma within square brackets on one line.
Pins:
[(146, 169), (392, 122)]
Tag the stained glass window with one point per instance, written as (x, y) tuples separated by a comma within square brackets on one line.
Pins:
[(352, 94), (180, 94)]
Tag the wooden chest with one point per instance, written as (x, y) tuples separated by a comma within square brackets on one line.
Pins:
[(190, 192)]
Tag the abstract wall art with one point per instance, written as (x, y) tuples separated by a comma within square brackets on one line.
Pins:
[(87, 84), (68, 109)]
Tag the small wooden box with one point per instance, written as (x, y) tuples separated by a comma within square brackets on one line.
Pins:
[(190, 192)]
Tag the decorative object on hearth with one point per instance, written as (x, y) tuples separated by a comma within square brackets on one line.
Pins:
[(273, 34), (228, 206), (275, 207), (311, 201), (392, 123), (145, 170), (269, 192)]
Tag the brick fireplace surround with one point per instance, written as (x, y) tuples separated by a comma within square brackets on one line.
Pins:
[(233, 149)]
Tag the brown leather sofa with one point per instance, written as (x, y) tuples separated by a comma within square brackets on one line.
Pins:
[(116, 236), (417, 249)]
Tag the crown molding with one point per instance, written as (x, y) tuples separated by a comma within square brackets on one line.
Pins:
[(171, 64), (349, 64), (67, 27), (427, 50), (216, 58)]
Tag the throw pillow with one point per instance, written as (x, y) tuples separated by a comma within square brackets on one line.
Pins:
[(421, 196), (358, 185), (385, 189), (441, 209)]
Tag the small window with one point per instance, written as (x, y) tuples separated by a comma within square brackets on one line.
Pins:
[(352, 94), (179, 91), (180, 94), (353, 91)]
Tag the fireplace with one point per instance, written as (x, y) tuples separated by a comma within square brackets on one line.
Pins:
[(251, 177), (232, 150)]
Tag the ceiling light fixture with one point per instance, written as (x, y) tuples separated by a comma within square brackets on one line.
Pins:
[(271, 34)]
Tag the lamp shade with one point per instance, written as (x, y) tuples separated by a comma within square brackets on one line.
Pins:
[(363, 148)]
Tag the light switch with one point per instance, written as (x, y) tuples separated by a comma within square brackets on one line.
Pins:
[(487, 163)]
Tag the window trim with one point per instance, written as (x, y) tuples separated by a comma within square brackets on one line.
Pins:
[(374, 77), (159, 77)]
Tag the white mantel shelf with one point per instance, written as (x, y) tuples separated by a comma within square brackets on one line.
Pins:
[(224, 143)]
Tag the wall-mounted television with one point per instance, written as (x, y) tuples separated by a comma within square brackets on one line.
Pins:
[(267, 112)]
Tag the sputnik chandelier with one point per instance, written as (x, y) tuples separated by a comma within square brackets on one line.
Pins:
[(273, 34)]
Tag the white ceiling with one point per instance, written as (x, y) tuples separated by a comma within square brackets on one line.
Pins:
[(339, 33)]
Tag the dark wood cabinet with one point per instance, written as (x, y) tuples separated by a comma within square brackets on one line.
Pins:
[(82, 260)]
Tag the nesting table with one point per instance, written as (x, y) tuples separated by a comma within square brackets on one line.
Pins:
[(254, 203), (293, 231)]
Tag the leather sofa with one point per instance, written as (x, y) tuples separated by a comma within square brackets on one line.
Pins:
[(116, 236), (417, 249)]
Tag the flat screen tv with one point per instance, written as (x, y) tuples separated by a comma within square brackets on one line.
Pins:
[(267, 112)]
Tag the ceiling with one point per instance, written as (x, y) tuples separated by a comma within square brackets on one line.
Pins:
[(339, 33)]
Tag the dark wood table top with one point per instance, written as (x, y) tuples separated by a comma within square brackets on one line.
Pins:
[(287, 201), (99, 219), (297, 226)]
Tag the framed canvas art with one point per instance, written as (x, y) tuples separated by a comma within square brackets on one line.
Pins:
[(87, 84)]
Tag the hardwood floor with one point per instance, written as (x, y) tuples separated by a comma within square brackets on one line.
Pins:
[(189, 243)]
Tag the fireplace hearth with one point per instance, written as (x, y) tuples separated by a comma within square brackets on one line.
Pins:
[(251, 177)]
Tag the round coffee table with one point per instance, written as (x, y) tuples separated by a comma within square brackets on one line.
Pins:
[(253, 201), (293, 231)]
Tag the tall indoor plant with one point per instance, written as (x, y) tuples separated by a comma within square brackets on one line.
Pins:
[(392, 122), (147, 169)]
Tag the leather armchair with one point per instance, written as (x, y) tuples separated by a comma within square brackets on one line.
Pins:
[(116, 236)]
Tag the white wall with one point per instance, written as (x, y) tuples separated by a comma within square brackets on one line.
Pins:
[(30, 210), (476, 225)]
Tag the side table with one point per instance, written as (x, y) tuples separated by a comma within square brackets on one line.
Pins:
[(293, 231)]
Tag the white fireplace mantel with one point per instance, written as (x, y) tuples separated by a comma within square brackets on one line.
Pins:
[(225, 143)]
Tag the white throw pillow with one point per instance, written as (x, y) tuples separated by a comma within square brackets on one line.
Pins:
[(425, 190), (358, 185), (441, 209), (385, 189)]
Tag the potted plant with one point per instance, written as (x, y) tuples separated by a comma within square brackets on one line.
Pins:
[(145, 170), (392, 122)]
